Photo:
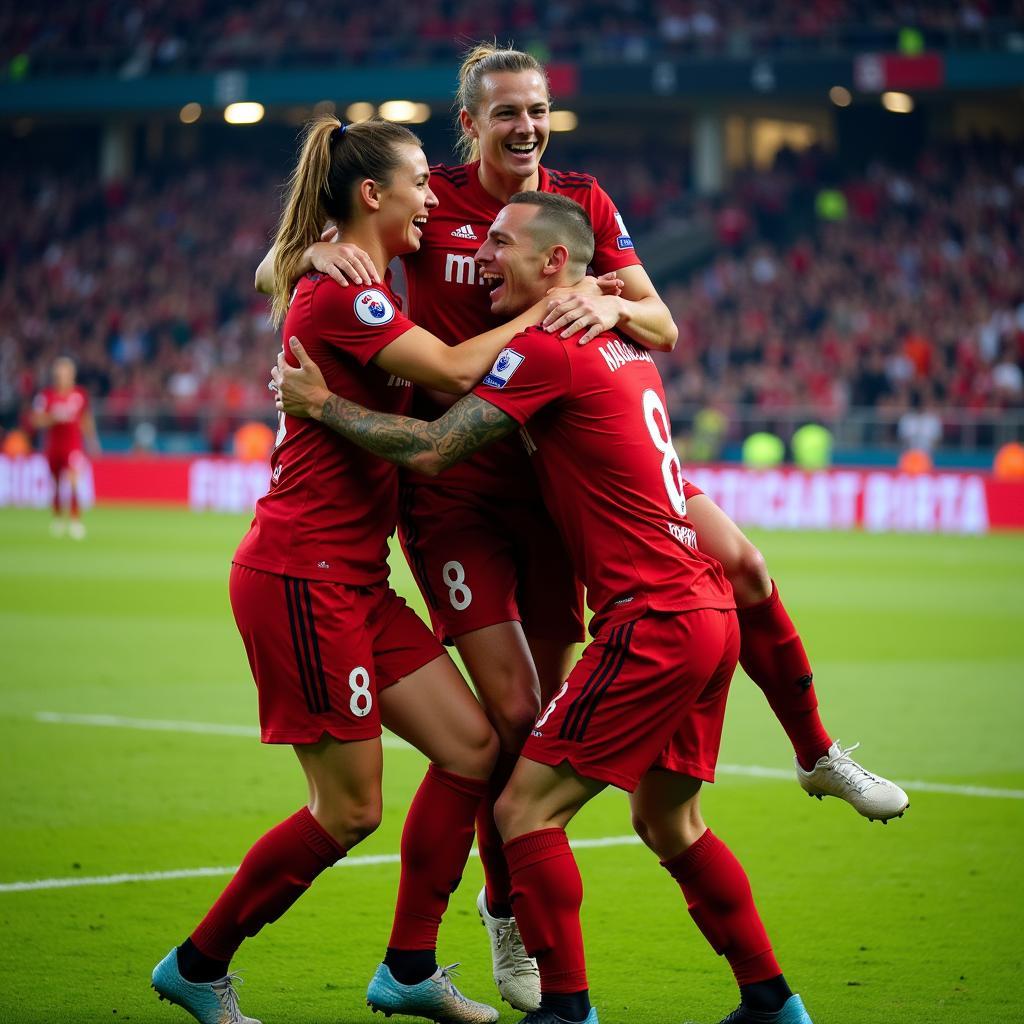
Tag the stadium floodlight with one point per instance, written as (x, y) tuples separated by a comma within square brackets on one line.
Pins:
[(190, 113), (243, 113), (356, 112), (898, 102), (404, 111), (840, 96), (563, 121)]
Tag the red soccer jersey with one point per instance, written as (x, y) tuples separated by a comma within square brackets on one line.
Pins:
[(600, 440), (67, 409), (332, 506), (447, 298)]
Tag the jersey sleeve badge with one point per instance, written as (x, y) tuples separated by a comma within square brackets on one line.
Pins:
[(504, 366), (623, 241), (374, 308)]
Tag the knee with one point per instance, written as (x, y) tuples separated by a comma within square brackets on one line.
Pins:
[(349, 822), (669, 835), (748, 574), (475, 754), (513, 718), (512, 814)]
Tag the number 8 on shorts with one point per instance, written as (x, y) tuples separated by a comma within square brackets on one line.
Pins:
[(455, 580)]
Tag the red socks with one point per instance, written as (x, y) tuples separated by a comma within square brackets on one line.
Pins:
[(773, 655), (719, 900), (278, 869), (436, 842), (547, 893), (489, 841)]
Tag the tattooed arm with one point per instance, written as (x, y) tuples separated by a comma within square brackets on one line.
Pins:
[(430, 448)]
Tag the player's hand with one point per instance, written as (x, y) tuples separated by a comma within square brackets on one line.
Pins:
[(300, 390), (576, 311), (342, 261)]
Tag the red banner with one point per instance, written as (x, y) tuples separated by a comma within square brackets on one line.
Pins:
[(781, 499)]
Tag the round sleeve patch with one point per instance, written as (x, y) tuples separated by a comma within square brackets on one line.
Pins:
[(374, 308)]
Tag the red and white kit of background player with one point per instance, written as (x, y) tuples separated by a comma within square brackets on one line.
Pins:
[(63, 411), (644, 707)]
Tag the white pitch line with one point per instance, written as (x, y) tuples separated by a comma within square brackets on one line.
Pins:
[(166, 725), (163, 876), (395, 743)]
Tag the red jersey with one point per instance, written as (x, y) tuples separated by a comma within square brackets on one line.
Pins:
[(331, 506), (447, 298), (600, 441), (67, 409)]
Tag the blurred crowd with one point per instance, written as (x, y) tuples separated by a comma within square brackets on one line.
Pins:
[(899, 290), (136, 37)]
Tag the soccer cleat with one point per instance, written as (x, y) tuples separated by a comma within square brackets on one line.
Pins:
[(437, 998), (213, 1002), (837, 774), (515, 972), (547, 1017), (792, 1012), (76, 529)]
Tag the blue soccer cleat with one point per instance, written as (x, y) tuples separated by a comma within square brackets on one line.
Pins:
[(210, 1002), (792, 1012), (547, 1017), (437, 999)]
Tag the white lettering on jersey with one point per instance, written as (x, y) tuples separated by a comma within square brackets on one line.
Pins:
[(683, 533), (466, 231), (398, 382), (618, 353), (460, 269)]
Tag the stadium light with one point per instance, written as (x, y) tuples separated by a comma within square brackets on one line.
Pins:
[(897, 102), (356, 112), (563, 121), (190, 113), (840, 96), (243, 113), (404, 111)]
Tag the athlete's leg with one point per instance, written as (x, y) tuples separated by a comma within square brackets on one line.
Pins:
[(771, 651), (76, 528), (532, 812), (434, 710), (344, 807), (667, 817)]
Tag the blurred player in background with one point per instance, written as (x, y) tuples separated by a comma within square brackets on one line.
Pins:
[(334, 651), (63, 412), (643, 709)]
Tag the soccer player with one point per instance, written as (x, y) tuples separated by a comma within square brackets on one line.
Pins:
[(63, 411), (334, 652), (487, 558), (643, 709)]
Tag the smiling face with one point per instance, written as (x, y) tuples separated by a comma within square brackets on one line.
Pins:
[(511, 124), (406, 202), (510, 262)]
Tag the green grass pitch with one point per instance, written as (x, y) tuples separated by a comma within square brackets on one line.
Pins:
[(918, 649)]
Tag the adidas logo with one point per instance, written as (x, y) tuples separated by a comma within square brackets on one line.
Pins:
[(466, 231)]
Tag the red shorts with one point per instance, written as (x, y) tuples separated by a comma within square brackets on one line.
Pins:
[(321, 652), (480, 560), (648, 693), (61, 459)]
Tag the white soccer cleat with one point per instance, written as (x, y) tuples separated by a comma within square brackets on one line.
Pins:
[(515, 972), (76, 529), (837, 774)]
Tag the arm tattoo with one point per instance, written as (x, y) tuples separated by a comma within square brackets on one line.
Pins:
[(470, 424)]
